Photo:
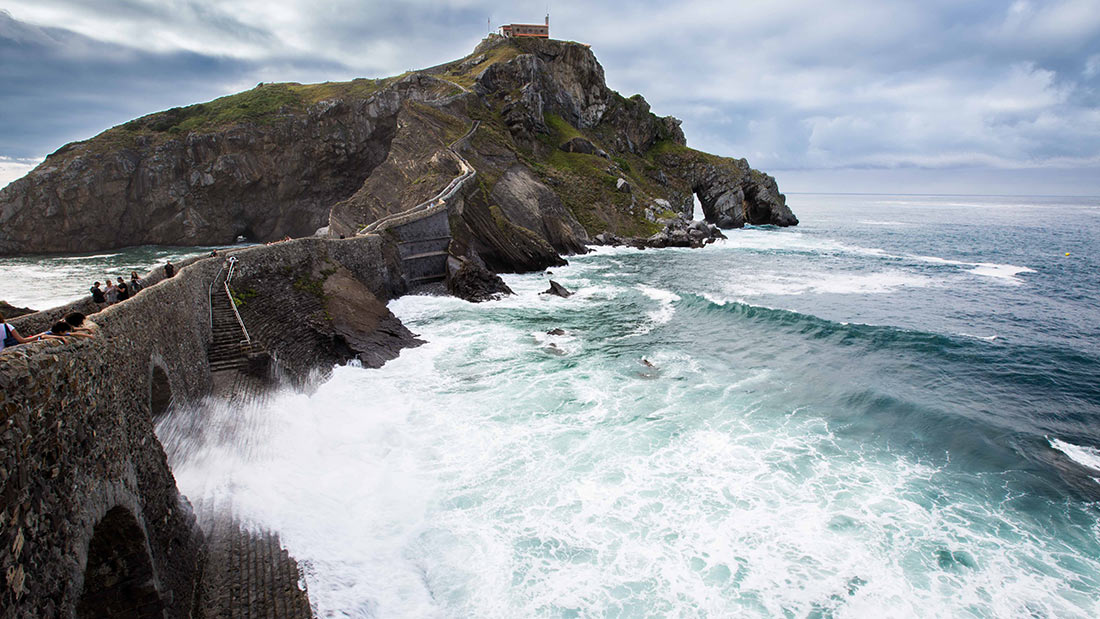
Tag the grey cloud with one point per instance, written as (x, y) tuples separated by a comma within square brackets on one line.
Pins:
[(791, 85), (61, 86)]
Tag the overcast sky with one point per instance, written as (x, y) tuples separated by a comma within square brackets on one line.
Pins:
[(848, 95)]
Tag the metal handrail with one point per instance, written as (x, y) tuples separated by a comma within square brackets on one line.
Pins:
[(229, 295)]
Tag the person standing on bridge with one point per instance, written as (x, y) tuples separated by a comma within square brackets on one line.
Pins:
[(97, 294), (123, 290), (112, 292)]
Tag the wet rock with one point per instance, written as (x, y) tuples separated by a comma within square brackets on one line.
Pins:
[(677, 232), (11, 311), (473, 282), (557, 289), (558, 331), (607, 238)]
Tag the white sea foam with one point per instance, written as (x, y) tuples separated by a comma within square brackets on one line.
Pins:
[(666, 298), (478, 476), (869, 222), (987, 338), (1000, 271), (1085, 456), (791, 241), (95, 257), (785, 284)]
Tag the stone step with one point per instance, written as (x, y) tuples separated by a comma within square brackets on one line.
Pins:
[(228, 364), (229, 342), (230, 347), (427, 254)]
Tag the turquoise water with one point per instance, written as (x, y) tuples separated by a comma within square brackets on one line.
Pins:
[(891, 410)]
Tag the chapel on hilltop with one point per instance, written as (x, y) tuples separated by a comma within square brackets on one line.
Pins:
[(540, 31)]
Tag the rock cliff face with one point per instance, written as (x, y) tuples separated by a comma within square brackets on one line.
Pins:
[(559, 158)]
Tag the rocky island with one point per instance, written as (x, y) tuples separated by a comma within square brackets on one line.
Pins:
[(505, 160), (560, 158)]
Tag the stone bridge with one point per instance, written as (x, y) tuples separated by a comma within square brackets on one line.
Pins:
[(92, 522)]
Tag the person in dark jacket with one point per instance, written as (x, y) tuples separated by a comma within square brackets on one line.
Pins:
[(123, 290), (97, 294), (169, 269)]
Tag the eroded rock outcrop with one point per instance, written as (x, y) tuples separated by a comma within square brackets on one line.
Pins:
[(473, 282), (677, 232)]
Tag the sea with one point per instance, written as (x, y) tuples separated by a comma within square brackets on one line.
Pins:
[(890, 410)]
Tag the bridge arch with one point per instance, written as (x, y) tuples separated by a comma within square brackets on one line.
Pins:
[(160, 387), (119, 578)]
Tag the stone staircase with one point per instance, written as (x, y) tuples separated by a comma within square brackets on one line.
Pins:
[(228, 351), (249, 575), (424, 231)]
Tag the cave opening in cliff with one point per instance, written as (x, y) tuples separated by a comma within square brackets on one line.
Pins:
[(160, 393), (119, 580)]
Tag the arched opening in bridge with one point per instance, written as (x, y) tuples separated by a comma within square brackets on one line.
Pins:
[(119, 580), (160, 392)]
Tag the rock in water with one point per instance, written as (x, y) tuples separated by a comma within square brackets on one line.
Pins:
[(558, 331), (11, 311), (557, 289), (473, 282)]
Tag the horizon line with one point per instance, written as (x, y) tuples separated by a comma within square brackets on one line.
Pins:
[(973, 195)]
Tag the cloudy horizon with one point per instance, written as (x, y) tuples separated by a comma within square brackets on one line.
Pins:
[(851, 96)]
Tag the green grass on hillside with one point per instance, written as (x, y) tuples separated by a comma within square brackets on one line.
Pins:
[(262, 104), (465, 76), (586, 184)]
